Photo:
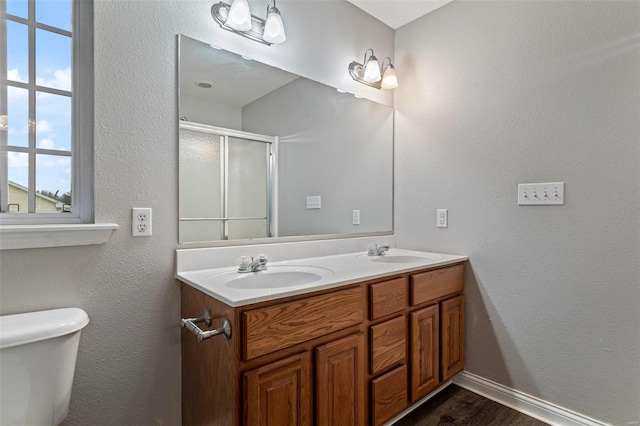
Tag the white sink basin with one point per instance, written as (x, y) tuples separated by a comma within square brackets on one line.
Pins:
[(277, 277)]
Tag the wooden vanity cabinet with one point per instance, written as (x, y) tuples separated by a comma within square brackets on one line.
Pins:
[(425, 353), (452, 350), (279, 393), (436, 327), (356, 355), (340, 382)]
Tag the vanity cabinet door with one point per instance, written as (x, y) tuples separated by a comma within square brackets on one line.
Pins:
[(279, 393), (340, 381), (452, 316), (389, 395), (425, 351)]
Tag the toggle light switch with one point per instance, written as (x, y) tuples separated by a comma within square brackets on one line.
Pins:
[(356, 217), (541, 194), (314, 202)]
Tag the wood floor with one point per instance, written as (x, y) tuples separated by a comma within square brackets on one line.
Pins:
[(457, 406)]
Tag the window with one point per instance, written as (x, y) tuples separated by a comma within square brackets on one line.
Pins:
[(46, 111)]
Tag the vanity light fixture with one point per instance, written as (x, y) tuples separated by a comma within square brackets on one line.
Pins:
[(237, 18), (371, 73)]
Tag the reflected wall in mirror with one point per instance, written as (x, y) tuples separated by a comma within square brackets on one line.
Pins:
[(255, 142)]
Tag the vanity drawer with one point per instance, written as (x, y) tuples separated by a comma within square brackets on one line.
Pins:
[(269, 329), (387, 298), (389, 395), (437, 283), (388, 344)]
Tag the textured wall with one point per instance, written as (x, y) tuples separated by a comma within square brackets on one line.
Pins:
[(204, 111), (128, 370), (493, 94)]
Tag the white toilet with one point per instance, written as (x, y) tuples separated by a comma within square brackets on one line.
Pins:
[(37, 361)]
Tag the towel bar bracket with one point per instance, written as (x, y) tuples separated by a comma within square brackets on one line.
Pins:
[(190, 324)]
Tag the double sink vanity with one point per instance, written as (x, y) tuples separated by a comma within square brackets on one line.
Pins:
[(346, 339)]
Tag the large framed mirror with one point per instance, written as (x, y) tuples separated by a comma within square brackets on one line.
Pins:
[(265, 154)]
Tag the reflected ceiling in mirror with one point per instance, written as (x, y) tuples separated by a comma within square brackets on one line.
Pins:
[(264, 153)]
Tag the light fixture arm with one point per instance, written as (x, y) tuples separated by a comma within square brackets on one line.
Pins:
[(269, 7), (356, 69), (364, 61), (220, 13)]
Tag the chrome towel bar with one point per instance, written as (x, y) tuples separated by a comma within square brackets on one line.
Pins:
[(190, 324)]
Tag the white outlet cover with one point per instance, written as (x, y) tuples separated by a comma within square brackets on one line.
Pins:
[(442, 218), (141, 222)]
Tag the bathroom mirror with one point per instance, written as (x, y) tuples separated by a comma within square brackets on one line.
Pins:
[(264, 153)]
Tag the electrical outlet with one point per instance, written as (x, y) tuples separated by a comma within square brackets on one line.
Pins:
[(141, 222), (441, 218)]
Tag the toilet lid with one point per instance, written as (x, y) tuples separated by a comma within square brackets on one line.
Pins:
[(29, 327)]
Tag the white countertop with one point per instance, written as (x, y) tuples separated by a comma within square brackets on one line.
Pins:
[(334, 271)]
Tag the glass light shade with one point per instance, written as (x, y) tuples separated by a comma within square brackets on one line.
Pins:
[(239, 16), (389, 79), (274, 28), (372, 70)]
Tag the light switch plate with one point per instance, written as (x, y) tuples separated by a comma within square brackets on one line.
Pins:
[(356, 217), (314, 202), (541, 194)]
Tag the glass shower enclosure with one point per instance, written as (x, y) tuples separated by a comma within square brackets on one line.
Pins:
[(227, 184)]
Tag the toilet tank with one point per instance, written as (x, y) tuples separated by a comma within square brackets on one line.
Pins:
[(37, 362)]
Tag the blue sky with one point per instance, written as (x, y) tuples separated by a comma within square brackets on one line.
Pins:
[(53, 112)]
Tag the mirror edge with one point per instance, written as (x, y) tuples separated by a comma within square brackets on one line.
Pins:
[(290, 239)]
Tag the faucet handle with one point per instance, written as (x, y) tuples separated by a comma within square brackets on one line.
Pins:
[(262, 259), (243, 262)]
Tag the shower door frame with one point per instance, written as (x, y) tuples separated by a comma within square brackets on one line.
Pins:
[(272, 176)]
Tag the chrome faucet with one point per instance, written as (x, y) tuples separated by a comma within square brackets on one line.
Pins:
[(376, 250), (246, 265)]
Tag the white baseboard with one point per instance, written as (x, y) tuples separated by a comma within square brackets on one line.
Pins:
[(520, 401)]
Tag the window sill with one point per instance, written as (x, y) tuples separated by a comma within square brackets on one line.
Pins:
[(13, 237)]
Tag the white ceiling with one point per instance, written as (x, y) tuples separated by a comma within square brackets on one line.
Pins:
[(396, 13), (233, 78)]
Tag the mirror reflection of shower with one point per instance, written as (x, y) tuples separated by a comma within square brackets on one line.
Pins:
[(226, 184)]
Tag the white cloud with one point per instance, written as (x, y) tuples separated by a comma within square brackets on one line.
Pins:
[(46, 143), (14, 75), (17, 159), (64, 163), (16, 93), (61, 80), (44, 161), (43, 126)]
